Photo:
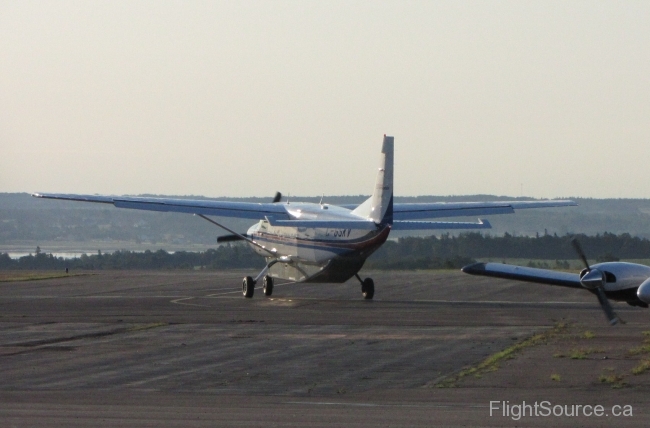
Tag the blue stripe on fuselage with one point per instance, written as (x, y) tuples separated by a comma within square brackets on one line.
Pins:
[(338, 247)]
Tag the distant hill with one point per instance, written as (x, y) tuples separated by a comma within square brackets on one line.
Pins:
[(27, 222)]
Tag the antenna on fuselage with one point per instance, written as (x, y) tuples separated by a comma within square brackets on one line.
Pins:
[(321, 199)]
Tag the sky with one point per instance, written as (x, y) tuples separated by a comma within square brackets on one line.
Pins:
[(245, 98)]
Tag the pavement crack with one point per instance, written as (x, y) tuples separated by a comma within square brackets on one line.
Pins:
[(33, 345)]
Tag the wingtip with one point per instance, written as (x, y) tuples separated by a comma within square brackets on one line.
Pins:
[(473, 268), (486, 224)]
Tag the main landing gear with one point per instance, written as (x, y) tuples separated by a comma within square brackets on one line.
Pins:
[(367, 287), (248, 286)]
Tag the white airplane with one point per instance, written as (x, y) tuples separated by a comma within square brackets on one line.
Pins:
[(620, 281), (308, 242)]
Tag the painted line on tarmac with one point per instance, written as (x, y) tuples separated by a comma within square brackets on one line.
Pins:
[(239, 291), (179, 302), (86, 297), (498, 302), (221, 294), (462, 302), (335, 403), (213, 295)]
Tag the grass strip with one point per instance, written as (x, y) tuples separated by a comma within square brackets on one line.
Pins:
[(491, 363), (147, 326), (641, 368), (579, 353)]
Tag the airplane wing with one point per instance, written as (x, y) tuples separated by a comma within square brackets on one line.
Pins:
[(413, 211), (260, 211), (206, 207), (520, 273), (432, 225)]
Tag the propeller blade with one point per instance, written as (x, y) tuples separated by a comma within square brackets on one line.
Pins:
[(277, 197), (607, 307), (578, 248), (229, 238)]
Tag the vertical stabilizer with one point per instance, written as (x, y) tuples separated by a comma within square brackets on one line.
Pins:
[(379, 207)]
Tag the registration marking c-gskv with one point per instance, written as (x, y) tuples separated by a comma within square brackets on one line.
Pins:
[(338, 233)]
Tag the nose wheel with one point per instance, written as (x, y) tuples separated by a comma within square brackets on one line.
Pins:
[(367, 287)]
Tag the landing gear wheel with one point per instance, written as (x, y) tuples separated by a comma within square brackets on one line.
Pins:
[(248, 287), (267, 285), (368, 288)]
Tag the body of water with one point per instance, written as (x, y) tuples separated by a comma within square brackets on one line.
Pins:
[(66, 254)]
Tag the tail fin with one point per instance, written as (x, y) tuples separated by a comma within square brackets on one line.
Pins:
[(379, 207)]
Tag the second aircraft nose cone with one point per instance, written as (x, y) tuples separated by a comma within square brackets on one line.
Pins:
[(643, 293), (592, 279)]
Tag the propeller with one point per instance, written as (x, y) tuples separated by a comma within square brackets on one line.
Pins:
[(594, 279), (581, 254)]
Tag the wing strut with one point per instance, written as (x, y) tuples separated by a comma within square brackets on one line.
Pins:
[(243, 237)]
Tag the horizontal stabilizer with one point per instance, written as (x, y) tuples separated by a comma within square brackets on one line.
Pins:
[(331, 224), (415, 211), (429, 225)]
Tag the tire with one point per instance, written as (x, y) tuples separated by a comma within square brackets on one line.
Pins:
[(368, 288), (267, 285), (248, 287)]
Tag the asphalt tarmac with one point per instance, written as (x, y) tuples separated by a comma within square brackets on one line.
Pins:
[(186, 349)]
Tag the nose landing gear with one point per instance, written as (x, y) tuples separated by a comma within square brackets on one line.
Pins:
[(367, 287)]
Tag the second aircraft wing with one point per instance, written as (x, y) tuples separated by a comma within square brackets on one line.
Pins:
[(541, 276)]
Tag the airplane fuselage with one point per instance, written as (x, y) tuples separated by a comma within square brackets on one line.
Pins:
[(316, 254)]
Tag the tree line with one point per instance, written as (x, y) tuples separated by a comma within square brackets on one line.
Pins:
[(467, 246), (433, 252), (223, 257)]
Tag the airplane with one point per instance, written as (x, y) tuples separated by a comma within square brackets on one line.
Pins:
[(317, 242), (619, 281)]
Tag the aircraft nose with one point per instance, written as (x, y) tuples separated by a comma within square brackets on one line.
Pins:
[(643, 293)]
